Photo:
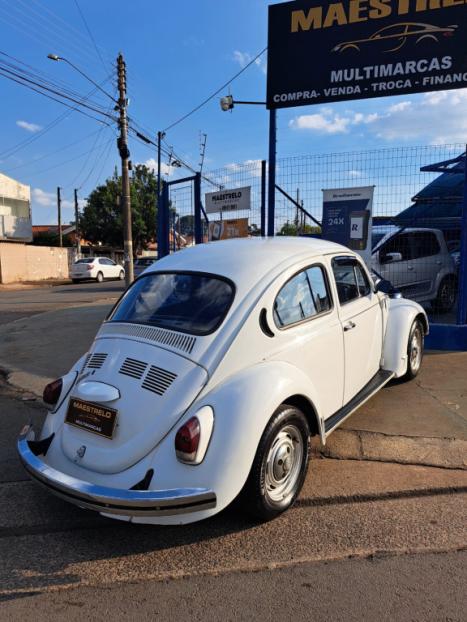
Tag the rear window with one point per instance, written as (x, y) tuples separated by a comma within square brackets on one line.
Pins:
[(90, 260), (187, 302)]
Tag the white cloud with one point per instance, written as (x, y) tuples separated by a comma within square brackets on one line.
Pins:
[(355, 173), (43, 198), (329, 122), (29, 127), (436, 118), (243, 58), (165, 168)]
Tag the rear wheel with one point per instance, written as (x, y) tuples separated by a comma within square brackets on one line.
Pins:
[(446, 296), (415, 350), (99, 277), (75, 280), (121, 276), (280, 465)]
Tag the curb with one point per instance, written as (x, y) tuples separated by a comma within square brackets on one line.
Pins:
[(344, 444)]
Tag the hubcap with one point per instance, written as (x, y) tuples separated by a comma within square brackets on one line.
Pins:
[(283, 463), (416, 350)]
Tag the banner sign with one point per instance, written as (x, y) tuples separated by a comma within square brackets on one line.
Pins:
[(347, 218), (226, 229), (228, 200), (321, 52)]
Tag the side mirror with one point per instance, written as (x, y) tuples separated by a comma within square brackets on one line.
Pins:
[(386, 287), (390, 257)]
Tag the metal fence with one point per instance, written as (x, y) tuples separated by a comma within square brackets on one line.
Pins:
[(416, 200)]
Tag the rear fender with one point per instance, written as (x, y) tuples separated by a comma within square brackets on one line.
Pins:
[(402, 314), (243, 406)]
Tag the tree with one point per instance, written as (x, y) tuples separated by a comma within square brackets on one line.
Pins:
[(186, 225), (292, 229), (102, 221)]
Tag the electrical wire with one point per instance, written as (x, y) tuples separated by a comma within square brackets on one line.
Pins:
[(208, 99), (90, 34)]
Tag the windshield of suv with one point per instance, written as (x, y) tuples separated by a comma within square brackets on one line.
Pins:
[(187, 302)]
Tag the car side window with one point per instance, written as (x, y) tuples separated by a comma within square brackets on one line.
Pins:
[(351, 279), (397, 244), (424, 244), (304, 296)]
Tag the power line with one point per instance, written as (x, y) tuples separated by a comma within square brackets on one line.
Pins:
[(90, 35), (208, 99)]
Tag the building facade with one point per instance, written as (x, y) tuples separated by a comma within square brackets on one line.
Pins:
[(15, 210)]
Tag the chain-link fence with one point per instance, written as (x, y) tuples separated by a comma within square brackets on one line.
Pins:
[(417, 211)]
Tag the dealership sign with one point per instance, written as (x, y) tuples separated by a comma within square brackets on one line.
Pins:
[(320, 52), (347, 218), (228, 200)]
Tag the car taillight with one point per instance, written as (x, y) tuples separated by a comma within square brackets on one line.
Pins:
[(448, 33), (89, 266), (52, 392), (187, 440)]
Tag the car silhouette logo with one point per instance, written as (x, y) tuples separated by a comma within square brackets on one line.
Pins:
[(392, 38)]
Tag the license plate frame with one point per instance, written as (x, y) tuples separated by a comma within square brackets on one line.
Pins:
[(91, 417)]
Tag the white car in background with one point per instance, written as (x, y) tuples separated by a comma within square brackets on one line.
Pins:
[(96, 269), (211, 374)]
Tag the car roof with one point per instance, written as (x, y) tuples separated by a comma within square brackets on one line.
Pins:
[(245, 260)]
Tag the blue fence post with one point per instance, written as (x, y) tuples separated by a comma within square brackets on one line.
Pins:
[(272, 172), (164, 226), (263, 198), (197, 198), (462, 301)]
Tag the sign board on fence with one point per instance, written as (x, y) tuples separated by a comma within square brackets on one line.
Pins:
[(228, 200), (320, 52), (226, 229), (347, 218)]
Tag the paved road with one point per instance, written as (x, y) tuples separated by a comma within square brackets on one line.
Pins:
[(68, 562), (20, 303)]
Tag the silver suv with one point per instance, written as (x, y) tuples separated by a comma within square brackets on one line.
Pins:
[(419, 264)]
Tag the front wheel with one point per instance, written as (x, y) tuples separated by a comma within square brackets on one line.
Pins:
[(99, 277), (446, 296), (415, 347), (280, 465)]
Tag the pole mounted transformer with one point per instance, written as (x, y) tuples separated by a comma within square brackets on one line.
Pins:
[(122, 144)]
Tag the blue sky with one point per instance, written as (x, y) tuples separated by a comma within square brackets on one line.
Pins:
[(177, 53)]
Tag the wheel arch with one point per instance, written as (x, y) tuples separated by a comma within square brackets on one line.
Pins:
[(308, 409)]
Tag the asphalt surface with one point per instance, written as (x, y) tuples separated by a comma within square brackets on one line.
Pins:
[(377, 589), (366, 541), (21, 303)]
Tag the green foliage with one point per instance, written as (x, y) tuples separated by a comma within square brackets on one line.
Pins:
[(48, 238), (102, 220), (290, 228)]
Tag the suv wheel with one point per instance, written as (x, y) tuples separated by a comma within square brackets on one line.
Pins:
[(280, 464), (446, 296)]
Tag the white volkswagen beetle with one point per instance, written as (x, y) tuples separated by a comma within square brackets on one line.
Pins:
[(210, 375)]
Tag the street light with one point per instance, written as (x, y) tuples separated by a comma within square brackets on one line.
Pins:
[(228, 103), (57, 58)]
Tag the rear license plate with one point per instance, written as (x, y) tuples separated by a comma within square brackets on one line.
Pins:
[(94, 418)]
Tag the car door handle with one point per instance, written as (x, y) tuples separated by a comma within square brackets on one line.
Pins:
[(410, 268), (349, 326)]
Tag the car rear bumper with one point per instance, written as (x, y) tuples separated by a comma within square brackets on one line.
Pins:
[(119, 502)]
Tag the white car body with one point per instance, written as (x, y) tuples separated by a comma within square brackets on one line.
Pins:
[(97, 269), (232, 379)]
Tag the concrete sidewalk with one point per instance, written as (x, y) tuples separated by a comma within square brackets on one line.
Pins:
[(421, 422)]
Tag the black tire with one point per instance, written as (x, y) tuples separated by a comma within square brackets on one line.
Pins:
[(75, 280), (121, 276), (414, 358), (446, 296), (99, 277), (280, 465)]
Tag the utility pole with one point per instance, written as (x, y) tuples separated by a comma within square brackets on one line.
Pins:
[(122, 143), (77, 231), (59, 217)]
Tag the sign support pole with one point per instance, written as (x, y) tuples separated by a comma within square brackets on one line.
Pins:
[(263, 198), (272, 171), (462, 302)]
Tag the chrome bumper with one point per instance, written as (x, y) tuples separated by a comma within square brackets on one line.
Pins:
[(116, 501)]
